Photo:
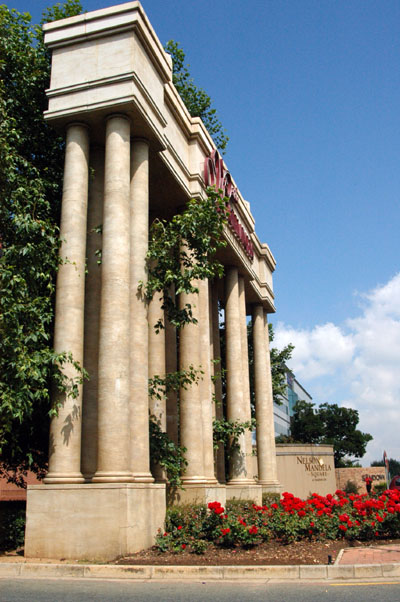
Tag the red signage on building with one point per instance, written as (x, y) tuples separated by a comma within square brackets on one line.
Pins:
[(216, 175)]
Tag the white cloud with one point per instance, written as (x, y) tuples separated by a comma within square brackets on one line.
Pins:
[(317, 352), (356, 365)]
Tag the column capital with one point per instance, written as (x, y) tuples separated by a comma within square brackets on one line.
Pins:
[(81, 124), (117, 115), (140, 139)]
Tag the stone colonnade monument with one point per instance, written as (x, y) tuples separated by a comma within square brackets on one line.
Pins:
[(133, 153)]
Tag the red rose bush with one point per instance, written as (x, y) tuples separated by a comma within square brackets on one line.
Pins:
[(361, 517)]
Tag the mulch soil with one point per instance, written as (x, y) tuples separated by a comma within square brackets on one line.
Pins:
[(271, 553)]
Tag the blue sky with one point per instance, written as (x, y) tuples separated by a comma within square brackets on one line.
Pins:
[(309, 94)]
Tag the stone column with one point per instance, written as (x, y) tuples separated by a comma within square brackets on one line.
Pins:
[(190, 407), (219, 411), (92, 313), (171, 365), (246, 377), (138, 348), (65, 430), (113, 400), (234, 373), (157, 368), (274, 481), (205, 384), (266, 456)]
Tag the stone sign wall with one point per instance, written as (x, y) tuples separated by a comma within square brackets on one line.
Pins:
[(358, 476), (306, 469)]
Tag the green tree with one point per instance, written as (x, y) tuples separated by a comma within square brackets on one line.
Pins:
[(31, 165), (197, 101), (332, 425), (394, 466), (279, 358)]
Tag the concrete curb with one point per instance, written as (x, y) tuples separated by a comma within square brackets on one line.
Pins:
[(199, 573)]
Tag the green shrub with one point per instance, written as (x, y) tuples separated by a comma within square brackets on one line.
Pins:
[(12, 525), (237, 505), (351, 487), (380, 487), (270, 497)]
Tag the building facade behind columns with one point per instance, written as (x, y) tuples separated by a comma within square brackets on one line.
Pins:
[(133, 154), (294, 392)]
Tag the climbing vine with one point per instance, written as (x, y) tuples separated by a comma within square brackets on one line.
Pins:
[(228, 432), (181, 251), (166, 453)]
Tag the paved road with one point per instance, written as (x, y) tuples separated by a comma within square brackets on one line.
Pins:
[(44, 590)]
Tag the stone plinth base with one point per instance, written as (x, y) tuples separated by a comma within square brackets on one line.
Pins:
[(197, 494), (93, 521), (270, 487), (244, 492)]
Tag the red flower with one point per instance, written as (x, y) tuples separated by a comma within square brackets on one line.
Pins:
[(253, 530), (180, 527), (343, 527), (219, 510), (183, 546), (225, 531)]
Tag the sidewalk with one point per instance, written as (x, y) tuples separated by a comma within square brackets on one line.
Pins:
[(370, 555), (352, 564)]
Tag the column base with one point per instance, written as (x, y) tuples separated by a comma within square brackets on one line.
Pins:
[(196, 494), (64, 477), (270, 486), (94, 521), (142, 477), (112, 477), (244, 491)]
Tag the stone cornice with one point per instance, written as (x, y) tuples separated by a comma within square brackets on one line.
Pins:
[(107, 21)]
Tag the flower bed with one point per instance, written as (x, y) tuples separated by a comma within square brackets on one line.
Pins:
[(339, 516)]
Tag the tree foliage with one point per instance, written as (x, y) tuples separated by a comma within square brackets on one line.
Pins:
[(394, 466), (332, 425), (182, 250), (279, 357), (197, 101), (31, 165)]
